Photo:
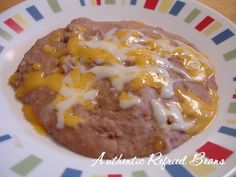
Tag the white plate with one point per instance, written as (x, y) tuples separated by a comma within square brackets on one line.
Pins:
[(26, 153)]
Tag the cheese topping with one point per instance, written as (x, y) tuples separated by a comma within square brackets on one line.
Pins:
[(128, 100), (118, 74), (73, 93), (130, 60), (162, 113)]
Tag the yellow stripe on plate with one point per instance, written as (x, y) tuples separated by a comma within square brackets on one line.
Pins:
[(200, 170), (231, 121), (94, 2), (165, 5), (21, 21), (212, 28)]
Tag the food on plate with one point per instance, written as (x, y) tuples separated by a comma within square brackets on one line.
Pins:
[(116, 87)]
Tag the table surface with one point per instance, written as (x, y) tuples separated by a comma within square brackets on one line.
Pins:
[(225, 7)]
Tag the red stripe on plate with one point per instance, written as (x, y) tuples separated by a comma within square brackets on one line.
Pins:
[(98, 2), (234, 96), (214, 151), (13, 25), (204, 23), (115, 175), (151, 4)]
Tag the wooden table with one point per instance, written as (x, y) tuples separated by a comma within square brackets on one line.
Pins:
[(225, 7)]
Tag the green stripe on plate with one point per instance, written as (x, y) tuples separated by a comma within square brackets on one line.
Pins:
[(5, 35), (192, 15), (109, 1), (54, 5), (232, 107), (140, 173), (25, 166), (230, 55)]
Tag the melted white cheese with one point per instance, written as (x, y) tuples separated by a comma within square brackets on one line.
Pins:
[(199, 77), (120, 75), (179, 122), (127, 103), (110, 34), (190, 50), (75, 96), (104, 45), (161, 114), (167, 90)]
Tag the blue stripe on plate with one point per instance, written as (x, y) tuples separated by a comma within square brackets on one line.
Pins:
[(1, 48), (34, 12), (177, 8), (133, 2), (82, 2), (178, 171), (226, 34), (4, 138), (234, 78), (69, 172), (227, 131)]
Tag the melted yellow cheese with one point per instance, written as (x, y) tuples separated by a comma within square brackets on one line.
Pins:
[(54, 51), (34, 80), (89, 104), (107, 58), (202, 113), (59, 98), (37, 66), (56, 37), (82, 81), (142, 57), (12, 79), (143, 79), (159, 146), (125, 33), (71, 119), (90, 54), (30, 116)]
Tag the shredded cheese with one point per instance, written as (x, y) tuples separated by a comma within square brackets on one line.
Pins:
[(128, 100), (124, 57)]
